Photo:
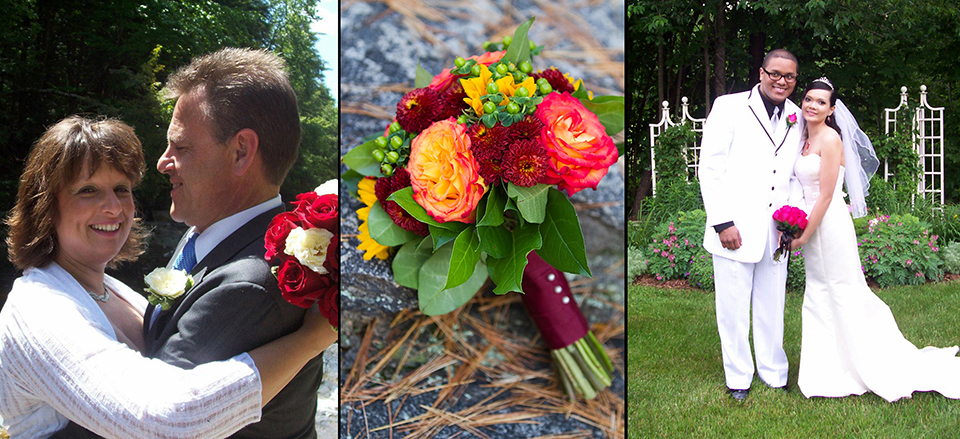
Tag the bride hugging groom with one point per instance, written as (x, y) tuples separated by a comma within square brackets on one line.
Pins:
[(761, 152)]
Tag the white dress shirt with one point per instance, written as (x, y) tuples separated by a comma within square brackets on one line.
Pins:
[(220, 230), (60, 359)]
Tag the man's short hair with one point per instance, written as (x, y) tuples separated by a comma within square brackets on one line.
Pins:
[(246, 88), (779, 53)]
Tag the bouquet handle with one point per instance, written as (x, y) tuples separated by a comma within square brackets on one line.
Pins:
[(584, 367)]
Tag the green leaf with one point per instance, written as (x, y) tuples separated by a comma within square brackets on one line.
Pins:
[(423, 77), (610, 111), (409, 259), (496, 201), (384, 230), (507, 272), (404, 197), (466, 253), (443, 235), (531, 201), (360, 160), (351, 179), (433, 299), (563, 246), (495, 240), (519, 50), (489, 120)]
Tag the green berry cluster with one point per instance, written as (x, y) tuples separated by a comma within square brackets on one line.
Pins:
[(504, 44), (393, 149)]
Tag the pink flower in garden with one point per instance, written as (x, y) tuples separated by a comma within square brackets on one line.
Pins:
[(915, 242), (919, 274), (671, 228), (686, 242), (663, 253), (909, 262), (672, 257)]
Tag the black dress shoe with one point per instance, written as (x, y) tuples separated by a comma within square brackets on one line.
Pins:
[(738, 394), (782, 388)]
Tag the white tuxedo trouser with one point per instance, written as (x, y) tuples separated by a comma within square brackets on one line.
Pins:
[(738, 286)]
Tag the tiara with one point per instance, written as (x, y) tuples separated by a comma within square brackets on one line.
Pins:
[(824, 80)]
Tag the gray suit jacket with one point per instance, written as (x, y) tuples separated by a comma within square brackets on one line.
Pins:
[(235, 306)]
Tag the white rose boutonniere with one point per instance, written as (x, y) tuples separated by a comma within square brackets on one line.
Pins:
[(165, 285)]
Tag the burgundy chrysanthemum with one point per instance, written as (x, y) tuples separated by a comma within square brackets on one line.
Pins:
[(453, 103), (386, 186), (525, 163), (487, 146), (528, 128), (418, 109), (556, 79)]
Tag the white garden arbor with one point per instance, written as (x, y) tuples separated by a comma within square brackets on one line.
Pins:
[(926, 131), (927, 135)]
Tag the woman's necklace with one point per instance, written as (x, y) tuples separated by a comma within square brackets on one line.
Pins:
[(100, 297)]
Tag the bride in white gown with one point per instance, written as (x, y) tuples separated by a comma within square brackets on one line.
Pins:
[(850, 341)]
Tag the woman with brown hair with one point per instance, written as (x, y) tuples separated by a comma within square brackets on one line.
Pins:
[(70, 334)]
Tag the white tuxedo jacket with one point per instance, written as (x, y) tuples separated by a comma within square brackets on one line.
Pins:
[(746, 171)]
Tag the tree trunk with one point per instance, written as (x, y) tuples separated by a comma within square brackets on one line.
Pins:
[(642, 193), (758, 42), (706, 70), (720, 50), (661, 72)]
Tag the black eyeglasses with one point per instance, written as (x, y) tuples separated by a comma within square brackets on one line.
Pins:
[(776, 76)]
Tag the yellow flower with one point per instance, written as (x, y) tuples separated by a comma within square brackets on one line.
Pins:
[(370, 247), (508, 88), (476, 87)]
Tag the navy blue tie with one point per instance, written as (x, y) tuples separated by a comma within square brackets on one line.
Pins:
[(188, 255)]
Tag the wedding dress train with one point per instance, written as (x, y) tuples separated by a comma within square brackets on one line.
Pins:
[(850, 341)]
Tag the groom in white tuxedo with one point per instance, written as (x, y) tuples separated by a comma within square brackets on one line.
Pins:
[(751, 141)]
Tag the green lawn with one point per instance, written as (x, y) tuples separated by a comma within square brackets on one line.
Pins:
[(675, 377)]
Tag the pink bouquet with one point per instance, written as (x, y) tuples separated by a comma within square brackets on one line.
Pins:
[(791, 221)]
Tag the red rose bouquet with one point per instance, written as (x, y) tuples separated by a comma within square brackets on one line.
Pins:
[(791, 221), (305, 243), (466, 183)]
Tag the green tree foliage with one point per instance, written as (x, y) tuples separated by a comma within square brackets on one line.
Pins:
[(112, 57), (869, 48)]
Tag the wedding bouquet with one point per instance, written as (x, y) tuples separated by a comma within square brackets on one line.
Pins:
[(791, 221), (305, 243), (466, 183)]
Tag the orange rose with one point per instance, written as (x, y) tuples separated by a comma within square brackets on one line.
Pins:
[(444, 80), (579, 148), (443, 173)]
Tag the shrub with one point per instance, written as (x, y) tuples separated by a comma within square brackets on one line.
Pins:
[(946, 223), (672, 196), (675, 244), (671, 158), (951, 258), (701, 271), (636, 262), (796, 272), (899, 250)]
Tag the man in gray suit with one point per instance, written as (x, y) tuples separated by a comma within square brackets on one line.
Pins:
[(234, 135)]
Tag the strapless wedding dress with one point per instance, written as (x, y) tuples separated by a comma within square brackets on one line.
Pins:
[(850, 341)]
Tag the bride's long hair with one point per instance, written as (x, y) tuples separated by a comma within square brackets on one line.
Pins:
[(825, 84)]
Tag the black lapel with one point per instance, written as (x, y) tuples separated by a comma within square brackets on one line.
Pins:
[(769, 136)]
